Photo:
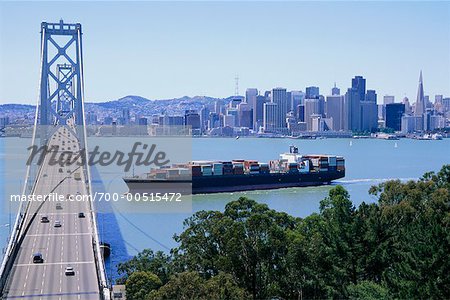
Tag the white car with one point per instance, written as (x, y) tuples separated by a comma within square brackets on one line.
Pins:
[(69, 271), (57, 223)]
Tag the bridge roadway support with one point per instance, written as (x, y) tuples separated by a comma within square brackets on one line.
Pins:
[(59, 118)]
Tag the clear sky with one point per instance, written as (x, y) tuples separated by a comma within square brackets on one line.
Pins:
[(162, 50)]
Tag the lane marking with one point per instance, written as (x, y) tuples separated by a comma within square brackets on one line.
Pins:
[(57, 263), (60, 234), (54, 295)]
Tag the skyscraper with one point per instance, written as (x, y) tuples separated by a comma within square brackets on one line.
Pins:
[(312, 108), (258, 112), (245, 115), (335, 110), (359, 83), (394, 113), (352, 110), (312, 92), (250, 96), (192, 119), (335, 91), (279, 97), (297, 98), (369, 112), (270, 118), (420, 102), (125, 116)]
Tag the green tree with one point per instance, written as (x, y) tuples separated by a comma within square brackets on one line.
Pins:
[(248, 240), (157, 263), (190, 285), (139, 284), (367, 290)]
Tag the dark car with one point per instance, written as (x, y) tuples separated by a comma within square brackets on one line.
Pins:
[(44, 219), (37, 258), (81, 215)]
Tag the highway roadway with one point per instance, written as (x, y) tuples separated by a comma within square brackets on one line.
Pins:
[(67, 246)]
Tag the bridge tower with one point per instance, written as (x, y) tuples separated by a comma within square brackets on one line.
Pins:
[(61, 95)]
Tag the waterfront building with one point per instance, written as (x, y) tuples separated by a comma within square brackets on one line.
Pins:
[(411, 123), (394, 113)]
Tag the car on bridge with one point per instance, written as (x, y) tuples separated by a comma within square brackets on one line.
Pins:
[(57, 224), (37, 258), (69, 271), (81, 215), (44, 219)]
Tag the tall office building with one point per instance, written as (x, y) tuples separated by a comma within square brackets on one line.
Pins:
[(388, 99), (213, 120), (125, 116), (204, 116), (394, 113), (270, 118), (408, 108), (250, 96), (312, 108), (359, 84), (438, 106), (352, 110), (420, 106), (369, 116), (360, 109), (335, 111), (420, 101), (245, 114), (297, 98), (233, 112), (258, 112), (279, 97), (369, 112), (312, 92), (192, 119), (301, 112), (335, 91)]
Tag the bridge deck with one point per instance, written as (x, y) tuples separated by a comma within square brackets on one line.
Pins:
[(68, 245)]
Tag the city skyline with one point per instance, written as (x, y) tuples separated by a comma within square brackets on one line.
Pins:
[(346, 39)]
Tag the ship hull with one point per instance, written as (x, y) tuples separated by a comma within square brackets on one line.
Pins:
[(232, 183)]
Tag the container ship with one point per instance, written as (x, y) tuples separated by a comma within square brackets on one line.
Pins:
[(203, 177)]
